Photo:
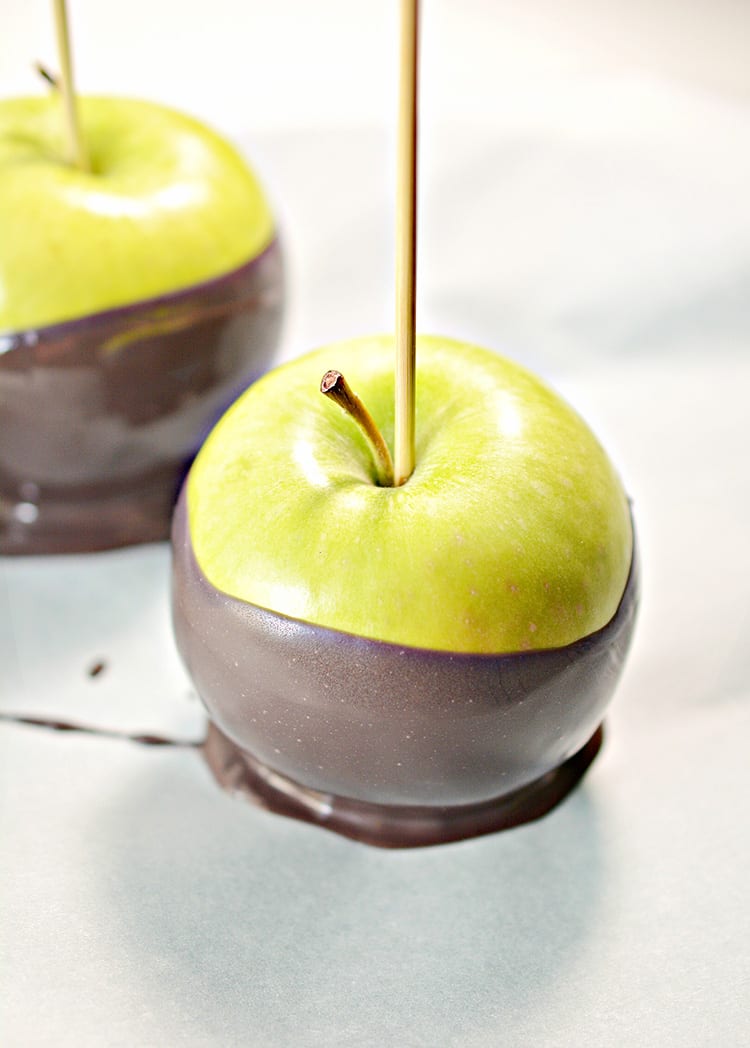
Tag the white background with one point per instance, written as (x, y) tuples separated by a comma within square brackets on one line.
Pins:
[(585, 173)]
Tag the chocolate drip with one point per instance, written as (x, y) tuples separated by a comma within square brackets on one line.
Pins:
[(54, 724)]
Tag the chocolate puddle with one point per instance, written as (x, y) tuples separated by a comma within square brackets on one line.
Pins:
[(411, 826), (392, 826)]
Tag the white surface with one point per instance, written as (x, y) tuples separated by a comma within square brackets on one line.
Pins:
[(262, 65), (599, 229)]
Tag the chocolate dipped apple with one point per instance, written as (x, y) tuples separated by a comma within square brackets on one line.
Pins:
[(140, 291), (415, 663), (408, 649)]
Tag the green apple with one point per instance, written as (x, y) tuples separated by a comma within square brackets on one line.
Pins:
[(403, 665), (136, 299), (168, 204), (513, 532)]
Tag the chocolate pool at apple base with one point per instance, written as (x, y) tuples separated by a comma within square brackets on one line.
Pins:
[(101, 416), (390, 745)]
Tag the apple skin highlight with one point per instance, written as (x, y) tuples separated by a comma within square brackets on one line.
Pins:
[(512, 533), (380, 740), (167, 205), (136, 334)]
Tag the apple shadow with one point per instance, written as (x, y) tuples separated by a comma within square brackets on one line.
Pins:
[(238, 927)]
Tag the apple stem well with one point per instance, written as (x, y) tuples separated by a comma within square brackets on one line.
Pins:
[(77, 154), (335, 386)]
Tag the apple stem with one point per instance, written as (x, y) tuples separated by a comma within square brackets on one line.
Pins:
[(45, 74), (335, 386), (406, 244), (76, 148)]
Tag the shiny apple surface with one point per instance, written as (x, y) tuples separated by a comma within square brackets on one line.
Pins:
[(512, 533), (386, 743), (167, 204), (100, 416)]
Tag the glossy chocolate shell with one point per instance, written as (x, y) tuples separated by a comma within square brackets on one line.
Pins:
[(101, 416), (390, 745)]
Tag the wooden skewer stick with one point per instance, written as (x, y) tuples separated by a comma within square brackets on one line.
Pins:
[(406, 244), (77, 154)]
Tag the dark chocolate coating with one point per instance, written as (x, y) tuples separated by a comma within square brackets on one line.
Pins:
[(101, 416), (380, 727), (392, 826)]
